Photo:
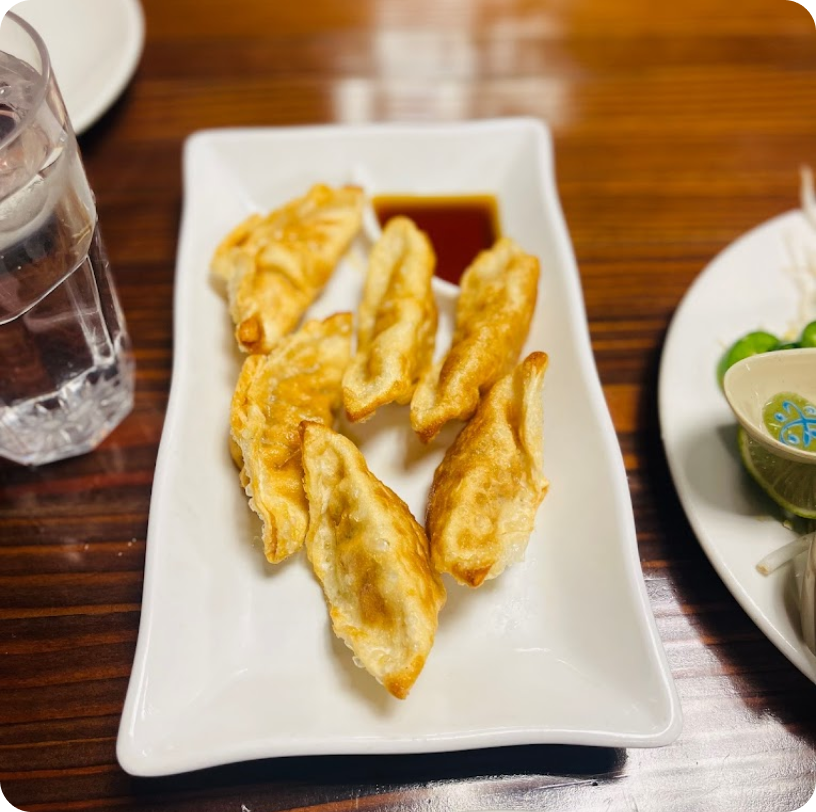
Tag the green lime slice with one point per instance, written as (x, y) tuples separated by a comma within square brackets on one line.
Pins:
[(751, 344), (808, 337), (790, 484)]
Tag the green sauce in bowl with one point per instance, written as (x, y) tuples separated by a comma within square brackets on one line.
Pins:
[(791, 419)]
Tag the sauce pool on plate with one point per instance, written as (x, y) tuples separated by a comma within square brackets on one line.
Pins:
[(457, 226)]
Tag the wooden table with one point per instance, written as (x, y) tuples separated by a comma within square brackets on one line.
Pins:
[(677, 127)]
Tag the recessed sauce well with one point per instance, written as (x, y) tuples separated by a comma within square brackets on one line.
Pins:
[(459, 226)]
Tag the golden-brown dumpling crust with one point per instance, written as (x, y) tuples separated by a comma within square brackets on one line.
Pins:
[(372, 560), (299, 380), (221, 266), (496, 304), (397, 322), (274, 266), (488, 487)]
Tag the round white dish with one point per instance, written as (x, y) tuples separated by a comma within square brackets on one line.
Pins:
[(95, 46), (758, 282)]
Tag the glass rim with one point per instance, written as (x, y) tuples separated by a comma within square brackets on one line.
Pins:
[(45, 77)]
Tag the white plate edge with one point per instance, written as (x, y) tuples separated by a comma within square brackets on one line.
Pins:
[(623, 498), (133, 13), (677, 472)]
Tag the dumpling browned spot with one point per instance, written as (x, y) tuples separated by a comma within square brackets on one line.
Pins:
[(274, 266), (372, 560), (496, 304), (397, 322), (299, 380), (488, 487)]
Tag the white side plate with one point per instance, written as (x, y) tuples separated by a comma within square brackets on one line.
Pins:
[(236, 659), (758, 283), (94, 46)]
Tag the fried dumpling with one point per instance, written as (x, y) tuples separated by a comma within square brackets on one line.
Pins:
[(299, 380), (371, 558), (488, 487), (496, 304), (397, 322), (274, 266)]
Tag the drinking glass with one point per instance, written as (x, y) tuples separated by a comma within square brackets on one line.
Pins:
[(66, 370)]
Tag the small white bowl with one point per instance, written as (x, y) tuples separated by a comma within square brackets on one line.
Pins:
[(751, 383)]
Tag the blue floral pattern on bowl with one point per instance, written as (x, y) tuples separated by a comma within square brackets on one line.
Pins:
[(792, 420)]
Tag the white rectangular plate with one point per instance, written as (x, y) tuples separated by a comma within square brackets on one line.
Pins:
[(236, 659)]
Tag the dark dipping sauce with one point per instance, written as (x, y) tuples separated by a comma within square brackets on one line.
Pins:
[(457, 226)]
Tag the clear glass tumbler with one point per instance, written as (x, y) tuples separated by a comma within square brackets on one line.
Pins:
[(66, 370)]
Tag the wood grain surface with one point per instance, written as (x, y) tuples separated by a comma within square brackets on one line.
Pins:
[(678, 126)]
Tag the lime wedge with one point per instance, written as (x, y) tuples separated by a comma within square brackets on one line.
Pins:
[(808, 337), (751, 344), (790, 484)]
